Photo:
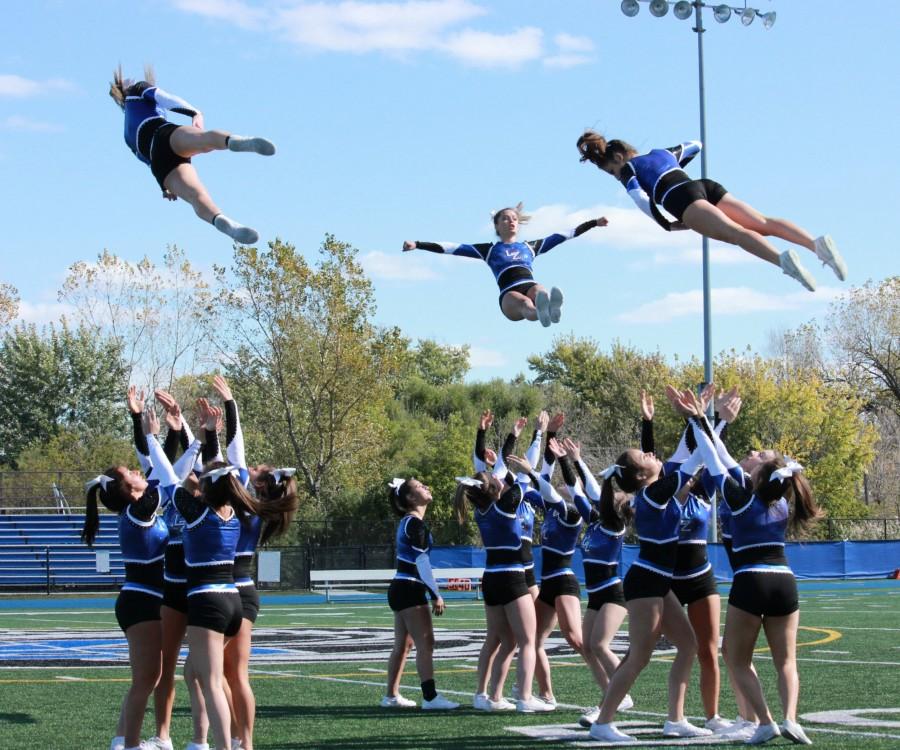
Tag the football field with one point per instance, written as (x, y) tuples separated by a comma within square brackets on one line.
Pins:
[(318, 672)]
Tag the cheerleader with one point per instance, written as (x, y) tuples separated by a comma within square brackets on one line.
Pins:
[(521, 297), (652, 606), (142, 539), (656, 179), (167, 148), (768, 495), (413, 582)]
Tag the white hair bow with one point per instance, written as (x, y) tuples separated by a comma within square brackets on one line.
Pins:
[(216, 474), (610, 470), (469, 482), (280, 474), (520, 213), (787, 471), (395, 484), (100, 479)]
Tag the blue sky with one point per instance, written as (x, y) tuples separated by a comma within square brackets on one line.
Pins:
[(413, 120)]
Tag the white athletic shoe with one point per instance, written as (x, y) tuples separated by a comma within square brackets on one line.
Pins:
[(742, 730), (155, 743), (589, 717), (542, 305), (197, 746), (236, 743), (396, 701), (551, 701), (794, 732), (481, 702), (556, 300), (118, 743), (609, 733), (683, 728), (239, 233), (438, 703), (247, 143), (763, 733), (627, 702), (790, 264), (533, 705), (718, 725), (828, 253)]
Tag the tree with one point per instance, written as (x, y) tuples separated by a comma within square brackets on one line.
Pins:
[(9, 303), (158, 314), (440, 365), (57, 379), (312, 372)]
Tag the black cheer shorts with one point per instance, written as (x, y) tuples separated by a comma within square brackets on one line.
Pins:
[(220, 611), (641, 583), (403, 594), (134, 607), (503, 587), (563, 585), (162, 158), (690, 590), (680, 197), (249, 602), (612, 594), (765, 594), (175, 596)]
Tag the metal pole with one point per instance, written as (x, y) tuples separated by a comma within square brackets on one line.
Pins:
[(707, 294)]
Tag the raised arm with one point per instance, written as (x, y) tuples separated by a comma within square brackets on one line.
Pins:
[(533, 454), (479, 251), (648, 445), (135, 401), (170, 102), (234, 437), (546, 244), (479, 456), (686, 151)]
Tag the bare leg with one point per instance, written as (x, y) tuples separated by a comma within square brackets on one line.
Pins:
[(545, 622), (704, 615), (237, 676), (568, 612), (678, 630), (521, 617), (145, 658), (517, 306), (741, 632), (541, 663), (418, 624), (498, 628), (188, 141), (706, 219), (781, 633), (207, 655), (184, 182), (749, 218), (173, 627), (743, 704), (600, 626), (397, 660), (199, 718), (644, 622)]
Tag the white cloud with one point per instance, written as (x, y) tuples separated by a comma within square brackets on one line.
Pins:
[(41, 313), (13, 85), (725, 301), (481, 357), (395, 28), (17, 122), (397, 267)]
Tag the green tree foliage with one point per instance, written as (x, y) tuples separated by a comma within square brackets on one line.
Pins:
[(58, 379), (439, 365), (9, 303), (311, 371)]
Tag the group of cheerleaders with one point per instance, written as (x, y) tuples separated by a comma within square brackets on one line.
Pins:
[(188, 529), (669, 590), (656, 181)]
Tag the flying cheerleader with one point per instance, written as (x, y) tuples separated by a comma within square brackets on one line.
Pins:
[(656, 179), (521, 297), (167, 148)]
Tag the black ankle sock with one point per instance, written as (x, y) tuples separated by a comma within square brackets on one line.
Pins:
[(227, 138), (213, 219), (429, 692)]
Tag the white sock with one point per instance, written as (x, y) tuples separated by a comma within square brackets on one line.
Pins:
[(247, 143), (117, 742), (243, 235)]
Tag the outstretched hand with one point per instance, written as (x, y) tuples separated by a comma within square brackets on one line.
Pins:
[(573, 449), (646, 406), (684, 402), (222, 388), (556, 422), (541, 421), (490, 457), (707, 395), (729, 405), (519, 425), (602, 221), (487, 419), (135, 400), (169, 195), (556, 448), (151, 421), (409, 245), (519, 465)]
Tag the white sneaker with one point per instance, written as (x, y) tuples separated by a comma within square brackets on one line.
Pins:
[(627, 702), (742, 730), (790, 264), (828, 253), (397, 701), (155, 743), (502, 705), (118, 743), (197, 746), (609, 733), (556, 300), (794, 732), (482, 702), (257, 145), (551, 701), (236, 743), (533, 705), (542, 305), (438, 703), (589, 717), (718, 725), (683, 728), (764, 733)]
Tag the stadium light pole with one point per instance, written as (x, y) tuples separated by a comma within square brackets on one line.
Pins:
[(722, 12)]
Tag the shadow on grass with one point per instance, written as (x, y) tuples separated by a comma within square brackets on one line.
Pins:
[(17, 718)]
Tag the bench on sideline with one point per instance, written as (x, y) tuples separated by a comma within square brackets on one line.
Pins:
[(449, 578)]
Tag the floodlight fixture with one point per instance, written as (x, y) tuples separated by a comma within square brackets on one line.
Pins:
[(659, 8), (630, 8), (722, 13), (682, 10), (768, 20), (748, 15)]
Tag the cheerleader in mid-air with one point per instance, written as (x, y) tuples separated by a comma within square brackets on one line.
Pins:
[(167, 148), (521, 297), (656, 179)]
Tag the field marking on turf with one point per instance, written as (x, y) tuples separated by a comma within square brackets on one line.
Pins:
[(826, 651), (830, 636)]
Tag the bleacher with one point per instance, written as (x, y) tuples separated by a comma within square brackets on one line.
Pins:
[(41, 550)]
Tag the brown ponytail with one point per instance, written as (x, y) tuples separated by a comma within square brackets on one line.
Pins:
[(795, 489), (477, 496), (119, 85), (114, 498), (277, 503), (594, 148), (228, 490)]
